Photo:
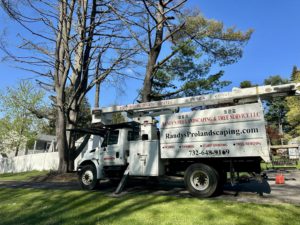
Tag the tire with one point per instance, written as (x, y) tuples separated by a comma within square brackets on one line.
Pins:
[(201, 180), (88, 177)]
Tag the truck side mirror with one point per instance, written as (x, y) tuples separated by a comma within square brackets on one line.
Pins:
[(145, 137)]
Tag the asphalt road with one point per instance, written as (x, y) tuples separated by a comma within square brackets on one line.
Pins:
[(257, 191)]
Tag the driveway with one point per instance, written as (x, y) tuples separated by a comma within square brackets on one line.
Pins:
[(257, 191)]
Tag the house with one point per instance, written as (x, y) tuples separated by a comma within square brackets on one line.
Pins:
[(295, 152), (45, 143)]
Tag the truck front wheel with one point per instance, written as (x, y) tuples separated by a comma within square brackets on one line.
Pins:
[(88, 177), (201, 180)]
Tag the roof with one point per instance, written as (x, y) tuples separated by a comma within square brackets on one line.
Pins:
[(46, 137)]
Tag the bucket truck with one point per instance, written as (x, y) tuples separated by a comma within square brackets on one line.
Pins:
[(226, 134)]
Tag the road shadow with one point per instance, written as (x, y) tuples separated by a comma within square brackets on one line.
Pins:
[(174, 186), (252, 185), (170, 186)]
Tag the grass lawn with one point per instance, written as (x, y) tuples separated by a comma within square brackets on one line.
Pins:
[(35, 206), (25, 176), (266, 166)]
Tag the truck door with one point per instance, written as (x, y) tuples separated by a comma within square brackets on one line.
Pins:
[(112, 149)]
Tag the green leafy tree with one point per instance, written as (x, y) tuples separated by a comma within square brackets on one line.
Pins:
[(276, 110), (247, 84), (293, 103), (19, 126), (118, 118)]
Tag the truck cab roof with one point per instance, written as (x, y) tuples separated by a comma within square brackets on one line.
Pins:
[(101, 129)]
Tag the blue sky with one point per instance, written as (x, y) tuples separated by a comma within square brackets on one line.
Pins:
[(273, 49), (275, 45)]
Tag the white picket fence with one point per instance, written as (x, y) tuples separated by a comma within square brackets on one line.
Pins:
[(24, 163), (40, 161)]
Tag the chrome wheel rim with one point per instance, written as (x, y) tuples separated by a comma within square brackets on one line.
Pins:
[(87, 177), (199, 180)]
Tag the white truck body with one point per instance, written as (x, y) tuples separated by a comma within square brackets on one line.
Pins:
[(235, 131), (145, 159)]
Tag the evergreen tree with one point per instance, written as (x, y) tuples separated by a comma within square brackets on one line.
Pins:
[(293, 103), (186, 75)]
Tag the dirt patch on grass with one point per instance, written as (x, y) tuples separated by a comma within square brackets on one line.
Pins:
[(54, 176)]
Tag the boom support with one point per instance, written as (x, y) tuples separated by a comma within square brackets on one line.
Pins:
[(237, 95)]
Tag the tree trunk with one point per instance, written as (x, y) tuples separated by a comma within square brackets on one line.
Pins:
[(97, 95), (17, 150), (61, 142), (153, 55), (19, 141), (147, 88), (62, 146), (70, 138), (150, 70)]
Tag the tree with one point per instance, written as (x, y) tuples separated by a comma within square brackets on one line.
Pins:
[(293, 103), (183, 76), (247, 84), (84, 42), (152, 24), (118, 118), (79, 38), (19, 126), (84, 116), (276, 110), (273, 134)]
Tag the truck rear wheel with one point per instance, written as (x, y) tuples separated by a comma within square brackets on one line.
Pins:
[(88, 177), (201, 180)]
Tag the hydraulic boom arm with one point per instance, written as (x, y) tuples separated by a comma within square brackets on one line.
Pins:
[(234, 96)]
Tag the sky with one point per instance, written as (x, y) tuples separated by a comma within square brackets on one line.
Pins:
[(273, 49)]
